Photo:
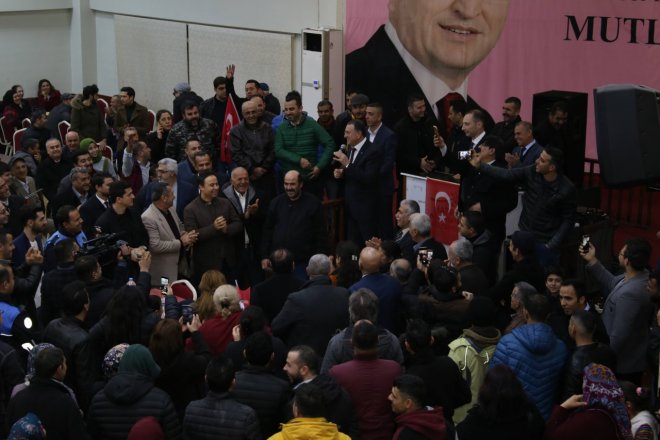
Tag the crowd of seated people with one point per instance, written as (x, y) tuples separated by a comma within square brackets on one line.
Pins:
[(152, 286)]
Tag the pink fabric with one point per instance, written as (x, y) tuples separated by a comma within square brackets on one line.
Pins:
[(532, 54)]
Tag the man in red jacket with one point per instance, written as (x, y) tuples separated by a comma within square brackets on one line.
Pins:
[(415, 421), (368, 380)]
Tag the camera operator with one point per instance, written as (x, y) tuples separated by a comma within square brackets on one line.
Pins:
[(69, 225), (101, 289)]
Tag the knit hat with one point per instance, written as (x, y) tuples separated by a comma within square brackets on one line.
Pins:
[(524, 241), (182, 87), (481, 311), (138, 359), (29, 427), (359, 99), (264, 87), (146, 428), (110, 365)]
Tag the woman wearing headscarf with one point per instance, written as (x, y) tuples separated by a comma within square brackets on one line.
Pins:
[(28, 427), (599, 413), (100, 163), (130, 396), (644, 424)]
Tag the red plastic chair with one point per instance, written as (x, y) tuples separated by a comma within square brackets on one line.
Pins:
[(152, 119), (18, 136), (26, 123), (63, 127), (184, 290), (107, 152), (103, 105)]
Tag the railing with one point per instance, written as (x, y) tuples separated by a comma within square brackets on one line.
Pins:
[(632, 206)]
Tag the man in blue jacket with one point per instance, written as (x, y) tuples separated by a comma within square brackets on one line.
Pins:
[(534, 354)]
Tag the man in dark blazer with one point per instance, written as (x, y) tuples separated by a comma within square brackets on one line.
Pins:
[(34, 223), (77, 193), (528, 150), (315, 313), (167, 171), (272, 293), (384, 141), (386, 288), (360, 170), (494, 198), (252, 211), (96, 205)]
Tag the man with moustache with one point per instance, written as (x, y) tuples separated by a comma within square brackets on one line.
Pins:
[(192, 126), (510, 117), (428, 47)]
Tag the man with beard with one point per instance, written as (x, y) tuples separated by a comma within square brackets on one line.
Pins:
[(510, 117), (217, 224), (295, 221), (192, 126), (34, 224), (302, 366)]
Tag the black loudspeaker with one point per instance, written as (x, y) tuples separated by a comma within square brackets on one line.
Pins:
[(628, 133), (572, 138)]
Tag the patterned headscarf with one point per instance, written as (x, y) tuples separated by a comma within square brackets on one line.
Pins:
[(28, 427), (600, 389), (110, 365), (32, 358)]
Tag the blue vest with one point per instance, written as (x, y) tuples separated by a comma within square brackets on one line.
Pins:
[(9, 314), (81, 238)]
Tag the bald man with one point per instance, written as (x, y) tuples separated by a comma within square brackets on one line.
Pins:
[(386, 288)]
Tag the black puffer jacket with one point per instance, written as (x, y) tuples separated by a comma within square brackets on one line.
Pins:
[(218, 416), (267, 394), (127, 398)]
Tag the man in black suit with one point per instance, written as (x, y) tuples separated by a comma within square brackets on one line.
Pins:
[(271, 294), (360, 171), (428, 47), (97, 204), (494, 198), (315, 313), (510, 117), (384, 141), (77, 193), (420, 232), (528, 149)]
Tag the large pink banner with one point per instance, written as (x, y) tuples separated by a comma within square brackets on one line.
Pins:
[(570, 45)]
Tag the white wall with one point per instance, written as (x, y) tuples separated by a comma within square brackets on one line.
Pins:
[(73, 42), (35, 45)]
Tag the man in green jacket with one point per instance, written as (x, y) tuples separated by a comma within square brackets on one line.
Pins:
[(296, 144)]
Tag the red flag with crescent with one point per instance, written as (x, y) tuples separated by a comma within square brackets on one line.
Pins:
[(441, 202), (231, 119)]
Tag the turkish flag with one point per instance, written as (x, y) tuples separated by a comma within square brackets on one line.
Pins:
[(231, 119), (441, 201)]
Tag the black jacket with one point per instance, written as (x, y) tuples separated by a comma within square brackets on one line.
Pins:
[(52, 403), (68, 334), (218, 416), (181, 377), (127, 398), (52, 286), (548, 207), (581, 357), (313, 315), (272, 293), (11, 374), (49, 176), (268, 395), (444, 383)]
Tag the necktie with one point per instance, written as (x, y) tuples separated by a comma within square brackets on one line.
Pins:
[(106, 204), (398, 236), (351, 154)]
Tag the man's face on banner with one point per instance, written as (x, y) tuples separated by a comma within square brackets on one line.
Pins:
[(448, 35)]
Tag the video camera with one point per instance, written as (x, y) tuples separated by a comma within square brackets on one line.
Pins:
[(104, 247)]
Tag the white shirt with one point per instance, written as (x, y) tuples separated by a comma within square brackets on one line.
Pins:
[(527, 147), (357, 148), (103, 202), (372, 134), (433, 87), (242, 199), (476, 140)]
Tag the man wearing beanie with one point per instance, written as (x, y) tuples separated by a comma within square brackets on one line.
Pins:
[(474, 349)]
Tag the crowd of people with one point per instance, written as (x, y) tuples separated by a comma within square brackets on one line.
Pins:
[(153, 286)]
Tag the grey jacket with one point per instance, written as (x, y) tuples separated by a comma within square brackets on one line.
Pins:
[(626, 315)]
